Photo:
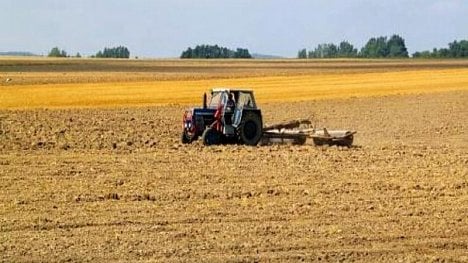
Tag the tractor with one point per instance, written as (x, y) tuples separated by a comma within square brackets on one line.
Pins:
[(230, 116)]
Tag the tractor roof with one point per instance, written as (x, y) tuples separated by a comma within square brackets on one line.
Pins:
[(231, 90)]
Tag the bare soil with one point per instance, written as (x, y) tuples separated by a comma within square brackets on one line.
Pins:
[(116, 185), (34, 71)]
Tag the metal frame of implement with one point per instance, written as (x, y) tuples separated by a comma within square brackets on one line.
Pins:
[(298, 131)]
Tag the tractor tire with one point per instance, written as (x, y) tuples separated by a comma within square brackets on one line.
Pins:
[(251, 129), (319, 142), (185, 138), (211, 137), (300, 140), (347, 142)]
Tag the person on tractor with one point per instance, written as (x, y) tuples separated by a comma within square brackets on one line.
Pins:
[(230, 104), (230, 107)]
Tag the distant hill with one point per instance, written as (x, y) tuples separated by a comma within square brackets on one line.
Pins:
[(17, 53), (263, 56)]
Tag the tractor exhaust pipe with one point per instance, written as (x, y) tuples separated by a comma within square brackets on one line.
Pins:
[(204, 101)]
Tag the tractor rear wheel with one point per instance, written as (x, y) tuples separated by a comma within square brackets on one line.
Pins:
[(211, 137), (250, 130)]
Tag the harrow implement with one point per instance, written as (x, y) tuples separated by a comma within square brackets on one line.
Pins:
[(298, 131)]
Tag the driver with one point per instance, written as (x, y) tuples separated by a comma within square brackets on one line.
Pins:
[(229, 112), (230, 104)]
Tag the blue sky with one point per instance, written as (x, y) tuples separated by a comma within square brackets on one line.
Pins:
[(156, 28)]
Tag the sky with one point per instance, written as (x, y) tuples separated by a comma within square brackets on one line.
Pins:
[(163, 29)]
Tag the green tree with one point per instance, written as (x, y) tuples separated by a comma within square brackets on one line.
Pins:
[(115, 52), (242, 53), (444, 53), (311, 54), (332, 50), (423, 54), (396, 47), (187, 53), (302, 53), (56, 52), (327, 50), (346, 50), (214, 51), (375, 48), (458, 49)]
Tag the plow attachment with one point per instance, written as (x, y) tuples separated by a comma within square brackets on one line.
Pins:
[(297, 132)]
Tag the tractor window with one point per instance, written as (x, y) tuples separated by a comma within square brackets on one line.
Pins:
[(215, 100), (246, 100)]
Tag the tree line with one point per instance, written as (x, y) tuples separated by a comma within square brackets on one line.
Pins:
[(456, 49), (330, 50), (214, 51), (114, 52), (383, 47), (380, 47), (376, 47)]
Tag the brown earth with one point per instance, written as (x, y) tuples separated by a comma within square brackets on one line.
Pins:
[(116, 185)]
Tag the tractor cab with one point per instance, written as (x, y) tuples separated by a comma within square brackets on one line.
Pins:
[(242, 98), (230, 104)]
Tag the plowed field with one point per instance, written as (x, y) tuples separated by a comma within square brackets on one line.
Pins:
[(113, 183)]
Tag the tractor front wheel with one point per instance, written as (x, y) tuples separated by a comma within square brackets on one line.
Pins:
[(211, 137), (185, 138)]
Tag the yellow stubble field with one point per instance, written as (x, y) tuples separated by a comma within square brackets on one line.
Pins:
[(171, 83)]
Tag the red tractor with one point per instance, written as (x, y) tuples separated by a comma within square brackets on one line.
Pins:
[(231, 115)]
